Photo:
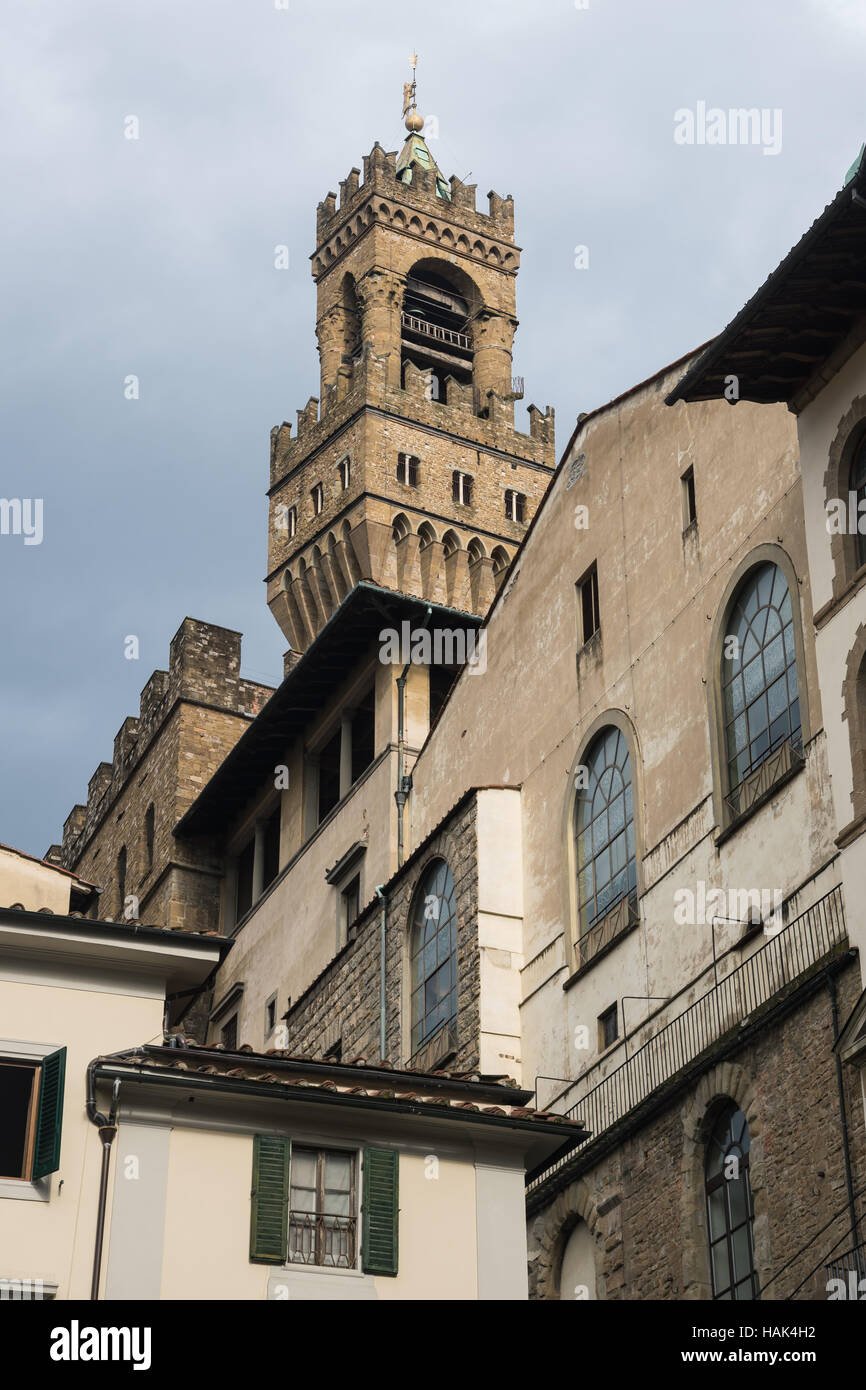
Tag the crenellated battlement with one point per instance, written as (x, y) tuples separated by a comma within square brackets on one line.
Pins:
[(204, 669), (382, 197)]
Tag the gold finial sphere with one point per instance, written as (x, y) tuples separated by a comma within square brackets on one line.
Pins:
[(414, 121)]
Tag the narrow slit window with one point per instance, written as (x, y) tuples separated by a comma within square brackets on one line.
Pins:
[(407, 470), (318, 498), (587, 594), (344, 469), (690, 510), (461, 488)]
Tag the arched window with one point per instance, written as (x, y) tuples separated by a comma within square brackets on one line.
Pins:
[(759, 680), (604, 829), (729, 1207), (433, 954), (857, 484)]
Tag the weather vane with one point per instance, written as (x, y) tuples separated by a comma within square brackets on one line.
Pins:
[(409, 87), (414, 122)]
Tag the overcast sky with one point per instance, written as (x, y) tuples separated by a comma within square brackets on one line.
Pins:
[(155, 257)]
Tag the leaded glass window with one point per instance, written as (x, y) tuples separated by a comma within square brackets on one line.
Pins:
[(604, 829), (433, 953), (759, 674), (730, 1212)]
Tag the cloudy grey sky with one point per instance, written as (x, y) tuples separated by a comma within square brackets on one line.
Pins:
[(155, 257)]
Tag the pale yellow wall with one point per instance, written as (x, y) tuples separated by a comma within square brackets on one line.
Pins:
[(33, 885), (36, 1238), (207, 1225), (438, 1255), (207, 1218), (292, 935)]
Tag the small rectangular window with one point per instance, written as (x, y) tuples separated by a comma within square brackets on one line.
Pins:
[(461, 488), (587, 594), (318, 496), (350, 900), (229, 1034), (322, 1208), (344, 468), (608, 1028), (515, 505), (690, 511), (292, 522), (270, 1016), (407, 470)]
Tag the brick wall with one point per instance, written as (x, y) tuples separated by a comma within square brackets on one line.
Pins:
[(644, 1202), (343, 1003)]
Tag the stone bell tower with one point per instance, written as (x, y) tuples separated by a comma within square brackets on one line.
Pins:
[(406, 470)]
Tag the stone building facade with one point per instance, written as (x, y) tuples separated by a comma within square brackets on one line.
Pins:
[(627, 803)]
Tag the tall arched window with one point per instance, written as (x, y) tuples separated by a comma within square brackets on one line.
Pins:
[(759, 678), (604, 829), (729, 1207), (857, 485), (433, 954)]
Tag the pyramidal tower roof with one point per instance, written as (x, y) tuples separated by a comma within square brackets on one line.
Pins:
[(415, 153)]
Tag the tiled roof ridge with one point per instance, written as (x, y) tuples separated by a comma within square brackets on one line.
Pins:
[(180, 1062)]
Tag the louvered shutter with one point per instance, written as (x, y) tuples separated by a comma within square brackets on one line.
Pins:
[(269, 1209), (49, 1122), (379, 1232)]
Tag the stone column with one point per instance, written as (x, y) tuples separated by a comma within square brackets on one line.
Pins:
[(380, 299), (493, 338)]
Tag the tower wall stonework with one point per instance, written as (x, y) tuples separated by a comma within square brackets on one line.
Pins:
[(374, 405), (190, 718)]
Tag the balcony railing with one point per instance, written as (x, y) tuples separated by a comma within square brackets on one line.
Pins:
[(450, 336), (322, 1240), (788, 955)]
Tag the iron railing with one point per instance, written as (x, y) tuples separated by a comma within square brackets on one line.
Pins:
[(435, 330), (788, 954), (322, 1240), (851, 1263)]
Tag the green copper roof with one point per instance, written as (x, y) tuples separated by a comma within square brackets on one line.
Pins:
[(415, 152)]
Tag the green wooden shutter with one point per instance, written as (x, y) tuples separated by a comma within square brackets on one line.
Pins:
[(269, 1209), (49, 1122), (379, 1232)]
